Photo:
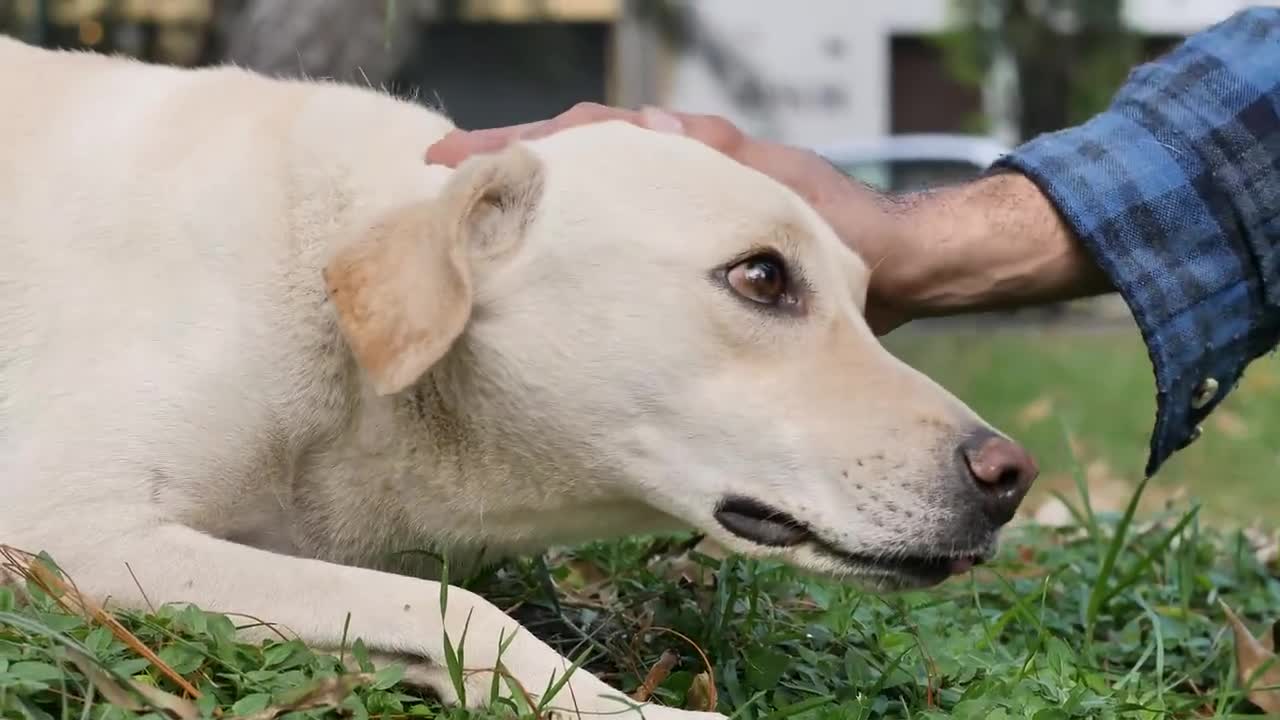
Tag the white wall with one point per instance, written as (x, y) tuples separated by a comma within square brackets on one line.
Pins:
[(1182, 16), (824, 64)]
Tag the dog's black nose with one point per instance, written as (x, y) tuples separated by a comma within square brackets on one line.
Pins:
[(1002, 471)]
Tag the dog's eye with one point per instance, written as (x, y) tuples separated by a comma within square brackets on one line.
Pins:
[(760, 278)]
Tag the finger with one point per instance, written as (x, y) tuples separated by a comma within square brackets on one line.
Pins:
[(712, 130), (458, 145), (582, 114), (660, 120)]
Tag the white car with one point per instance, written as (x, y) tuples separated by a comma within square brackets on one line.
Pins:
[(897, 163)]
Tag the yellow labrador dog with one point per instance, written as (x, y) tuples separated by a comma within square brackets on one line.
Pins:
[(253, 347)]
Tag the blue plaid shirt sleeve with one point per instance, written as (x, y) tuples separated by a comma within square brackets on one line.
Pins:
[(1175, 192)]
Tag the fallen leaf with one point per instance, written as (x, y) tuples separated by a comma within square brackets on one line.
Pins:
[(1108, 492), (1265, 545), (657, 674), (1174, 497), (583, 573), (116, 694), (702, 691), (29, 567), (1230, 424), (685, 568), (702, 694), (1037, 410), (327, 693), (1252, 655), (1054, 513), (1261, 379), (586, 582)]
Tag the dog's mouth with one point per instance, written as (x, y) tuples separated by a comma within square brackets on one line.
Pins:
[(763, 525)]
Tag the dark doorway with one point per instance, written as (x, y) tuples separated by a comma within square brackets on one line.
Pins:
[(489, 74), (924, 97)]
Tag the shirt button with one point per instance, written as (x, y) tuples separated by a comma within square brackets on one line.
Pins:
[(1205, 393)]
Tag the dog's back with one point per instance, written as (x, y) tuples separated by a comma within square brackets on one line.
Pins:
[(217, 190)]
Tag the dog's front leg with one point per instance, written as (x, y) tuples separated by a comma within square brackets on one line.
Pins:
[(393, 614)]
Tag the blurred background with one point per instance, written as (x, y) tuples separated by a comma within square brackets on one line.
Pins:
[(901, 94)]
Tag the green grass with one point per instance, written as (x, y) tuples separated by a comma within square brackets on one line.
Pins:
[(1117, 617), (1045, 632), (1097, 388)]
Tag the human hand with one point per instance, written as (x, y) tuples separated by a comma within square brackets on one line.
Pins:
[(857, 214), (992, 243)]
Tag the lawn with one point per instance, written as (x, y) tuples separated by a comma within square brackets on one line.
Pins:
[(1081, 398), (1109, 617)]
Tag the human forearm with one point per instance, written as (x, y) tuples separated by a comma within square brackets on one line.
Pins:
[(994, 243), (1174, 192), (1170, 197)]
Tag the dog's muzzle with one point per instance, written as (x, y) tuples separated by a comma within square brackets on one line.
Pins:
[(767, 526)]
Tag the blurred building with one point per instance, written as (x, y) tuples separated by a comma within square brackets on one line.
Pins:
[(171, 30), (808, 71), (812, 72), (487, 61), (819, 71)]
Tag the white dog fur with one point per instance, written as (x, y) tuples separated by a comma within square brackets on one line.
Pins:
[(253, 346)]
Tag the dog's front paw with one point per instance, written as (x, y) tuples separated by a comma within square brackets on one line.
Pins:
[(434, 679), (580, 703), (437, 681), (678, 714), (563, 707)]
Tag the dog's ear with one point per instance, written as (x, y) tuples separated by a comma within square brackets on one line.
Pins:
[(403, 289)]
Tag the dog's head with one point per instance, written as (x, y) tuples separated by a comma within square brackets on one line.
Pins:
[(646, 330)]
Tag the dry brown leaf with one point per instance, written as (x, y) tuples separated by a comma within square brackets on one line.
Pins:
[(1053, 513), (1265, 545), (1037, 410), (702, 694), (1107, 489), (1175, 496), (1230, 424), (28, 566), (583, 573), (116, 694), (104, 683), (1251, 655), (703, 688), (656, 676), (586, 583), (684, 568), (1262, 379), (327, 693), (1108, 492)]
